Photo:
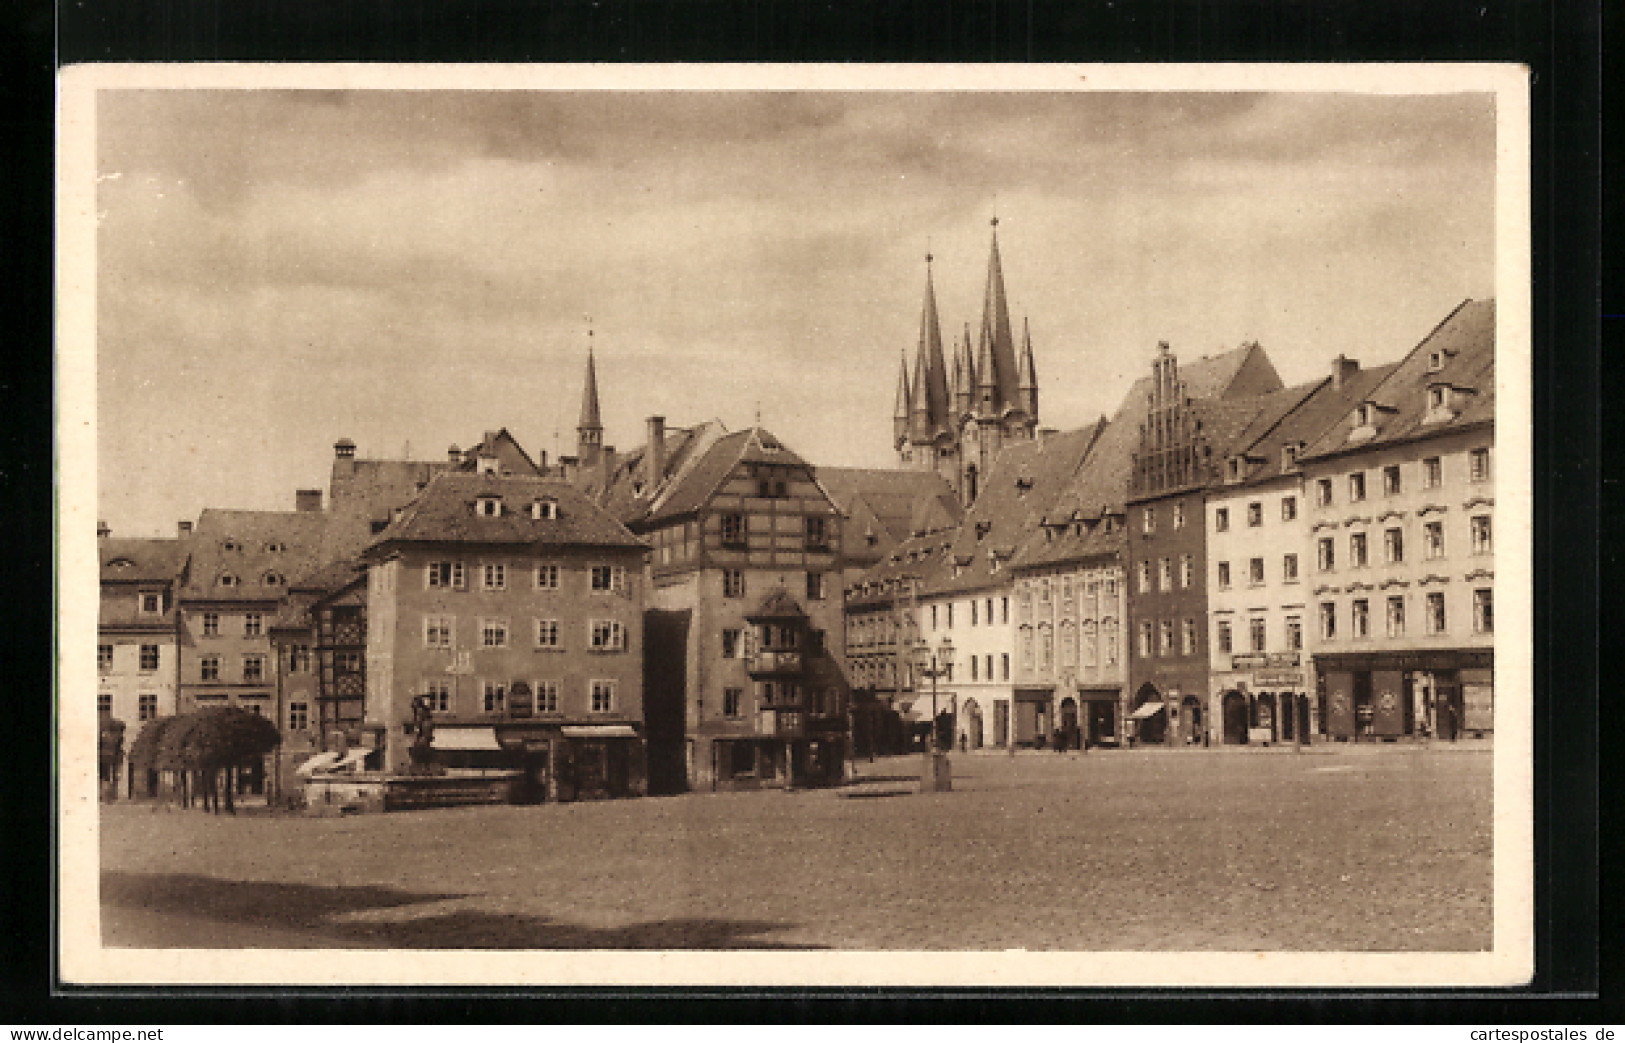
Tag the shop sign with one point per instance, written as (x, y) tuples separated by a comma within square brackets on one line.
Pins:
[(1277, 678)]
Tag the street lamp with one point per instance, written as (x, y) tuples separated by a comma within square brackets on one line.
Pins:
[(934, 665)]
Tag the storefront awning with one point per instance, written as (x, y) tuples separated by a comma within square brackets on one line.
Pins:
[(465, 739), (316, 763), (1147, 710), (599, 731)]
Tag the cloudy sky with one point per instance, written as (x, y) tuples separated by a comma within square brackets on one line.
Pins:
[(279, 269)]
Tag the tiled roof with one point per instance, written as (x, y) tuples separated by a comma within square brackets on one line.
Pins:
[(1316, 410), (692, 485), (131, 560), (376, 489), (894, 499), (446, 513), (1466, 338), (777, 605), (1094, 493), (626, 490), (250, 546)]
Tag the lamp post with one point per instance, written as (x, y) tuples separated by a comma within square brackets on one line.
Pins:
[(934, 664)]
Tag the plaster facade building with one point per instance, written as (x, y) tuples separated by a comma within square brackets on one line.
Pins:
[(137, 652), (1401, 506)]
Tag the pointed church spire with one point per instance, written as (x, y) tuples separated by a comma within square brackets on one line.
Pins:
[(996, 337), (920, 426), (1028, 373), (904, 407), (965, 364), (935, 389), (590, 428)]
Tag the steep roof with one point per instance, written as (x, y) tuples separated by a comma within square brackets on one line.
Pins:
[(251, 546), (894, 498), (446, 513), (139, 560), (1466, 342), (996, 332), (626, 491), (589, 397), (360, 505), (692, 483), (1321, 405)]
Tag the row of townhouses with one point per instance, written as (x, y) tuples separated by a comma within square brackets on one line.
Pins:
[(1223, 560)]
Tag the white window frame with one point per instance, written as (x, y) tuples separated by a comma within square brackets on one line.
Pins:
[(1483, 610), (547, 577), (1441, 624), (601, 695), (1483, 533), (494, 575), (493, 696), (547, 694), (606, 635), (209, 668), (493, 632), (157, 658), (146, 706), (438, 691), (1432, 540), (548, 634), (445, 575), (445, 627), (257, 675)]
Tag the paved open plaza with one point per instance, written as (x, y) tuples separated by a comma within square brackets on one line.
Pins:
[(1370, 849)]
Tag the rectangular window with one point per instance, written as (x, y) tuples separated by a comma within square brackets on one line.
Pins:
[(495, 696), (733, 583), (974, 669), (149, 658), (815, 586), (547, 577), (1255, 515), (948, 611), (1221, 519), (209, 668), (1478, 465), (1224, 575), (1224, 637), (1179, 516), (1148, 520), (1357, 551), (104, 702), (494, 576), (817, 534), (731, 698), (1432, 473), (1187, 637), (437, 631), (1433, 540), (211, 624), (446, 575), (1390, 480), (147, 706), (253, 624), (1165, 636), (1165, 574), (104, 658), (438, 691), (299, 659), (603, 696), (1360, 616), (1289, 508), (1393, 546), (1145, 639), (1187, 570), (493, 633), (1145, 577), (1356, 486), (1255, 635), (298, 716), (1289, 568), (1004, 610), (1323, 492), (1483, 611), (253, 668), (1327, 555), (152, 603), (730, 643), (733, 530), (1436, 622), (606, 635), (1483, 537), (547, 633), (608, 578), (1294, 634), (1043, 591), (1004, 666), (1328, 620), (1255, 572), (972, 611), (1396, 615)]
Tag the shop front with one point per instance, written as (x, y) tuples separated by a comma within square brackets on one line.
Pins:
[(1447, 694), (559, 761), (1033, 717), (1262, 699)]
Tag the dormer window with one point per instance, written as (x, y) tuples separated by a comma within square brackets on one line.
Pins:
[(488, 465), (544, 510), (152, 602), (272, 579), (1365, 422), (1289, 457), (230, 544), (275, 547), (1435, 398), (1235, 468), (227, 580), (1441, 403), (488, 506)]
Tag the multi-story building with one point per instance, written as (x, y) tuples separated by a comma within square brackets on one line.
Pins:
[(1259, 566), (954, 423), (881, 507), (1189, 419), (968, 595), (1071, 571), (137, 655), (513, 607), (1400, 511)]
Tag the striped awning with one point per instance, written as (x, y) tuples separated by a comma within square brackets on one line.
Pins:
[(599, 731), (1150, 709), (465, 739)]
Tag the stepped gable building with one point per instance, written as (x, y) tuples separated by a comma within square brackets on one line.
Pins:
[(954, 425), (513, 606), (1258, 566), (745, 576), (137, 654), (1189, 421), (966, 596), (1071, 570), (1404, 640)]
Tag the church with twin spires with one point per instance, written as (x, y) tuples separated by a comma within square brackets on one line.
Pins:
[(954, 420)]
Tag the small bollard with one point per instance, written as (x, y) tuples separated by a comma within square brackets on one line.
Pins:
[(935, 774)]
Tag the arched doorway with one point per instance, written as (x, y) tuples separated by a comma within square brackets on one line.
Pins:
[(1195, 726), (972, 724), (1234, 707), (1150, 720), (1069, 723)]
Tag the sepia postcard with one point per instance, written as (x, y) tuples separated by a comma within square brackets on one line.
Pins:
[(815, 525)]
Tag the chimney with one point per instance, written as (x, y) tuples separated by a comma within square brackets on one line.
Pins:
[(454, 455), (183, 529), (607, 460), (654, 454), (307, 500), (1342, 370), (102, 529), (343, 459)]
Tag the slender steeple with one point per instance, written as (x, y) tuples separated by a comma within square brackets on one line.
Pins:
[(965, 366), (1028, 373), (996, 340), (920, 423), (900, 414), (590, 428), (936, 371)]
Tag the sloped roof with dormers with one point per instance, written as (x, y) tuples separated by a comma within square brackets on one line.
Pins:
[(140, 560), (448, 511), (261, 551)]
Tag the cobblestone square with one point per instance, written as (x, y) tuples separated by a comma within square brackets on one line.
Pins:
[(1362, 849)]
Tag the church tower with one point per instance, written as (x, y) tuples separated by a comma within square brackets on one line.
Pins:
[(927, 442), (590, 428)]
